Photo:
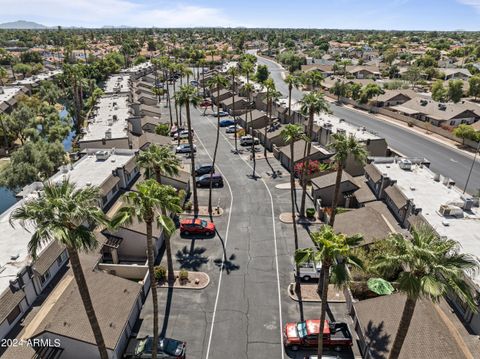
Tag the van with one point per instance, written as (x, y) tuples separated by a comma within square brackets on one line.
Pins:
[(308, 271)]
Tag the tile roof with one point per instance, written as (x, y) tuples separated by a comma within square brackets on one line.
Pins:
[(48, 257)]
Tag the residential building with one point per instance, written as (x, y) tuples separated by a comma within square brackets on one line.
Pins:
[(9, 96), (394, 97)]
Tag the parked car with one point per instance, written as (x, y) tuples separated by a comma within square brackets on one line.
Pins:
[(185, 148), (221, 114), (226, 122), (167, 348), (194, 83), (305, 334), (196, 226), (323, 357), (206, 103), (308, 271), (203, 169), (204, 181), (248, 140), (233, 129), (183, 134), (174, 129)]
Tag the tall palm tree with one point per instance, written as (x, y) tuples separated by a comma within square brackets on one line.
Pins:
[(313, 79), (430, 267), (312, 104), (292, 80), (233, 72), (249, 88), (159, 160), (334, 251), (271, 95), (344, 146), (67, 215), (172, 69), (164, 63), (290, 134), (146, 205), (188, 96), (217, 81)]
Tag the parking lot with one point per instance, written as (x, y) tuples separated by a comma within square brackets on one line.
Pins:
[(242, 311)]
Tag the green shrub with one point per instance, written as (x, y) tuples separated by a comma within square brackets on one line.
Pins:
[(183, 275), (160, 273), (188, 206), (310, 212)]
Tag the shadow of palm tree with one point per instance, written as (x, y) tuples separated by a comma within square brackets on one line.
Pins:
[(166, 315), (379, 340), (191, 259), (227, 264)]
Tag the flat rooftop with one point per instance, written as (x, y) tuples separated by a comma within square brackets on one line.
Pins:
[(136, 68), (39, 77), (14, 240), (8, 92), (334, 124), (103, 119), (117, 84), (419, 185), (90, 171)]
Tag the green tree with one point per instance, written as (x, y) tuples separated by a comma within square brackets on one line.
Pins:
[(3, 76), (339, 89), (430, 267), (344, 147), (413, 75), (474, 86), (187, 96), (146, 205), (335, 252), (465, 131), (438, 91), (292, 80), (313, 79), (354, 90), (369, 91), (23, 69), (312, 104), (262, 73), (217, 81), (455, 90), (67, 215), (162, 129), (291, 134)]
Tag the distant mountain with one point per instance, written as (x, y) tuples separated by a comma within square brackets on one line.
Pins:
[(22, 24)]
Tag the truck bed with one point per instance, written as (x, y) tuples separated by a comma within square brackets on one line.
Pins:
[(339, 333)]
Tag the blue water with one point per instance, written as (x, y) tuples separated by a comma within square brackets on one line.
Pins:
[(7, 197)]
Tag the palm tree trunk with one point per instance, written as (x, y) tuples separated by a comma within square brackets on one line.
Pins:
[(306, 164), (153, 286), (402, 330), (169, 105), (336, 192), (176, 107), (294, 215), (210, 186), (87, 301), (234, 118), (323, 309), (289, 102), (269, 114), (190, 142)]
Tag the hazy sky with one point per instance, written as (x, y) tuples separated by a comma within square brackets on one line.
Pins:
[(349, 14)]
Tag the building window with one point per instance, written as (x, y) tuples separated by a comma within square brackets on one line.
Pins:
[(44, 278), (452, 123), (59, 260), (104, 200), (14, 314)]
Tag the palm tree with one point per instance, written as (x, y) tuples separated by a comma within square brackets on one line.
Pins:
[(146, 204), (188, 96), (313, 79), (249, 88), (334, 251), (67, 215), (164, 63), (290, 134), (3, 76), (430, 267), (233, 72), (312, 103), (344, 146), (172, 68), (217, 81), (271, 95), (292, 80)]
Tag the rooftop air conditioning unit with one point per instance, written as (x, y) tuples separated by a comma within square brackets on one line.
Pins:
[(467, 203), (436, 177), (102, 155), (110, 121), (442, 106), (423, 102), (450, 211), (108, 134), (2, 91), (405, 164)]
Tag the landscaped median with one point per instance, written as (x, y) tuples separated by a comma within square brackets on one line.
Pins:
[(202, 211), (309, 293), (183, 279)]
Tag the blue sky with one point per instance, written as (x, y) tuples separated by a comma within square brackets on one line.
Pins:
[(346, 14)]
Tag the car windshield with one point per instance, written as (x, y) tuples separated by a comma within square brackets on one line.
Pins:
[(302, 329), (203, 223), (170, 346)]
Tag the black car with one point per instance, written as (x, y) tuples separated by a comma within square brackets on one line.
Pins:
[(203, 169), (167, 348), (204, 181)]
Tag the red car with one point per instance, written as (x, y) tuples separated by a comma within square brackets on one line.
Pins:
[(196, 226), (305, 334), (206, 103)]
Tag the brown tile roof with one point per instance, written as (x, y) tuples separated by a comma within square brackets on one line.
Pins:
[(396, 196), (428, 336), (48, 257), (328, 180), (109, 184), (8, 301), (373, 172), (113, 298)]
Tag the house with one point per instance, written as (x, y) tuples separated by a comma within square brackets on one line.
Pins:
[(9, 97), (414, 194), (241, 105), (325, 70), (364, 72), (438, 114), (274, 136), (117, 84), (256, 120), (394, 97), (374, 222), (322, 191), (222, 95), (453, 74), (146, 110), (35, 80), (429, 334), (283, 154)]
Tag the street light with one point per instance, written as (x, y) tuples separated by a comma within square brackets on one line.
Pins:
[(471, 167)]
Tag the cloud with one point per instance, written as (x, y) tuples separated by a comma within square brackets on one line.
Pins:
[(473, 3), (113, 12)]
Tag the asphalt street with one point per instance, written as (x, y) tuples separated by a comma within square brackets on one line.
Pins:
[(444, 160), (242, 311)]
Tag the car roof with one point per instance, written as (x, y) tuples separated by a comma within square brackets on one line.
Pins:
[(191, 221), (313, 326)]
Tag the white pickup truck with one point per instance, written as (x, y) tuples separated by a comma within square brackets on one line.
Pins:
[(308, 271)]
